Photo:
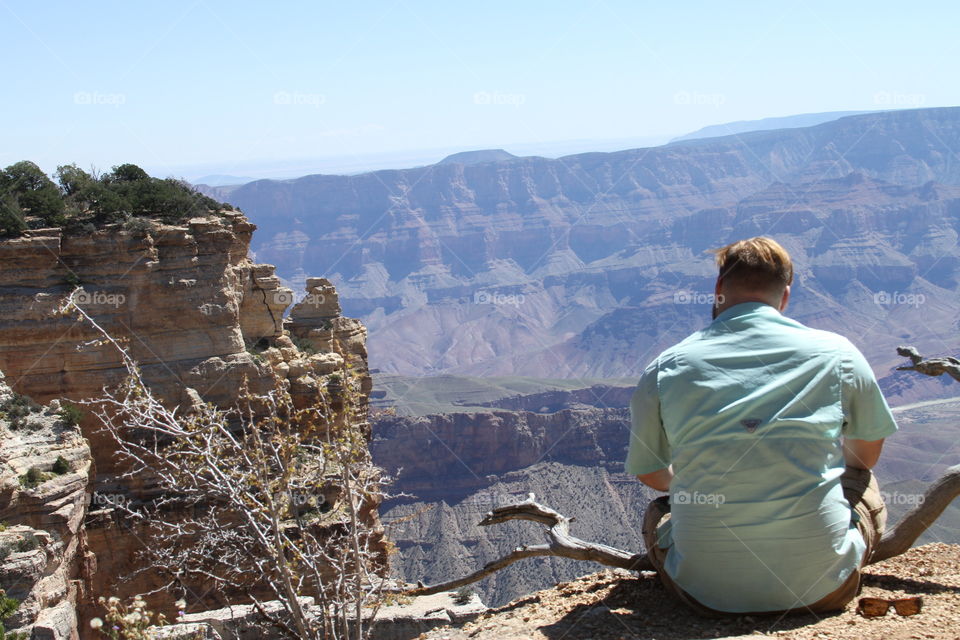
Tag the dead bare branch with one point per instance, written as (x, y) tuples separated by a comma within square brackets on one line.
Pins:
[(932, 367), (562, 545), (937, 498)]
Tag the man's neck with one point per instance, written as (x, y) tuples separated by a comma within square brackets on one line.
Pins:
[(729, 302)]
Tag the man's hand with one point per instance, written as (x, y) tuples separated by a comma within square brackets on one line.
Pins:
[(659, 480), (861, 454)]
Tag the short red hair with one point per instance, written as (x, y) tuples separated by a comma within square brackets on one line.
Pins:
[(755, 264)]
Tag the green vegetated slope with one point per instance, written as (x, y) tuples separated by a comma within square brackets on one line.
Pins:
[(418, 396), (81, 202)]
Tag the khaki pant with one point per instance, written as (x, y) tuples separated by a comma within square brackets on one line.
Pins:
[(861, 491)]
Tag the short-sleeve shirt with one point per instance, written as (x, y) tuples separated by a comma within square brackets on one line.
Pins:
[(750, 412)]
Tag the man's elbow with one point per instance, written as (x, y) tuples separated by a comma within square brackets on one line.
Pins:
[(659, 479), (862, 454)]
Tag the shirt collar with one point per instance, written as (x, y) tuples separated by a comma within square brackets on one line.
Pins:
[(746, 308)]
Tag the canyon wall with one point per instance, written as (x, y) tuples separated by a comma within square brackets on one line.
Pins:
[(44, 558), (569, 450), (456, 467), (199, 316), (589, 264)]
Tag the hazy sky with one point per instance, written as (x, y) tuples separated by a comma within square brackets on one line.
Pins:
[(228, 86)]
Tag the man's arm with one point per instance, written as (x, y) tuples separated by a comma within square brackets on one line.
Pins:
[(867, 418), (861, 454), (648, 457), (659, 480)]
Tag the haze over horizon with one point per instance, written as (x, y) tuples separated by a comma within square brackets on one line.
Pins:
[(207, 87)]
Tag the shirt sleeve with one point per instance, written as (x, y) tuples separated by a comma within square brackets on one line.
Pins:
[(649, 450), (866, 414)]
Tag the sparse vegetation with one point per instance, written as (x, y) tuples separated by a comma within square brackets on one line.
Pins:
[(27, 543), (257, 347), (304, 345), (71, 414), (61, 466), (463, 595), (8, 606), (32, 478), (138, 226), (17, 408), (81, 202), (131, 621)]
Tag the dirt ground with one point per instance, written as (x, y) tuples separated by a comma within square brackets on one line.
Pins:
[(614, 605)]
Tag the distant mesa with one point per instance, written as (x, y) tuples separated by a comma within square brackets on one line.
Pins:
[(219, 180), (478, 157), (766, 124)]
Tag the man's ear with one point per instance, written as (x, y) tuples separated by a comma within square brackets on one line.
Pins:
[(718, 286), (785, 299)]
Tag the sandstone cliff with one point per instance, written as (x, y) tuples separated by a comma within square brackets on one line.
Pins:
[(44, 470), (199, 316)]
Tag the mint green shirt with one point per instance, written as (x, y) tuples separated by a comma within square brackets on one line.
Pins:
[(750, 412)]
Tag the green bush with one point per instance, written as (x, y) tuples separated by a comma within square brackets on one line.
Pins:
[(138, 226), (27, 543), (8, 606), (463, 595), (17, 409), (71, 414), (36, 194), (80, 202), (303, 344), (32, 478), (12, 222), (61, 466)]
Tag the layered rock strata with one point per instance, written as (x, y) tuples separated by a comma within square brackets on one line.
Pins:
[(200, 317), (44, 470)]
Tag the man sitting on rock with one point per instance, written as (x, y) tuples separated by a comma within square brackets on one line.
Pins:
[(764, 432)]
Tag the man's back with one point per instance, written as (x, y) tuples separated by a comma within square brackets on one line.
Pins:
[(751, 410)]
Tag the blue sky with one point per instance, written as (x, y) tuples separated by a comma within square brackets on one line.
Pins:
[(186, 88)]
